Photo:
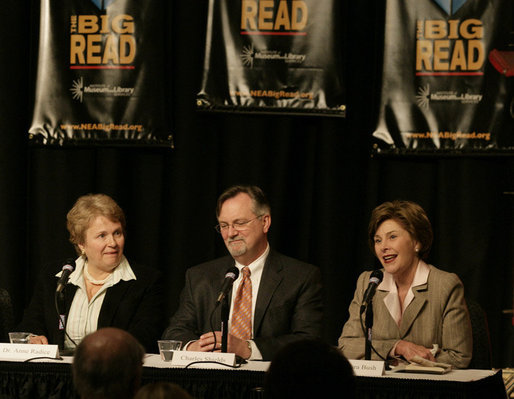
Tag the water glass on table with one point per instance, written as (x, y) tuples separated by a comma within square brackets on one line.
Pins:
[(19, 337), (167, 347)]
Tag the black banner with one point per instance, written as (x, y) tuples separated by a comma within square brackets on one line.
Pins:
[(100, 74), (446, 83), (273, 56)]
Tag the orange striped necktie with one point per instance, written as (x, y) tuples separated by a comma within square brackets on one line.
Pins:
[(241, 325)]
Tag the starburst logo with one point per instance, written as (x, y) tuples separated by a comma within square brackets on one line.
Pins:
[(77, 89), (247, 56), (423, 97), (450, 6)]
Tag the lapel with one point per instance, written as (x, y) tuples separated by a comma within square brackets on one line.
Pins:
[(387, 322), (113, 297), (69, 294), (270, 280), (64, 308), (412, 311), (219, 277)]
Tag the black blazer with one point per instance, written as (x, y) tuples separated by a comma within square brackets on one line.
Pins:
[(289, 303), (135, 306)]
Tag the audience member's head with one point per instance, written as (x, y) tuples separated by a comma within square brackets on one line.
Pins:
[(162, 390), (307, 369), (108, 364)]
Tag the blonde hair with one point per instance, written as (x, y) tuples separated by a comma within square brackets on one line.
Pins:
[(87, 208)]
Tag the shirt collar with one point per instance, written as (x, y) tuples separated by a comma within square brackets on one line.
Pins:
[(122, 272), (420, 278), (392, 301), (257, 264)]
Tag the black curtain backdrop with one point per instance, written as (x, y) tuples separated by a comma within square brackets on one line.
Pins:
[(317, 171)]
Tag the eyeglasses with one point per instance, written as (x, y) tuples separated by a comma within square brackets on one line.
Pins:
[(240, 225)]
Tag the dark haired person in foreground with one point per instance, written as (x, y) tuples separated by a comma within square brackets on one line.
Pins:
[(309, 369), (162, 390), (275, 299), (419, 310), (108, 365)]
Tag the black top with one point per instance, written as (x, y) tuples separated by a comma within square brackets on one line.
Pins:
[(135, 306)]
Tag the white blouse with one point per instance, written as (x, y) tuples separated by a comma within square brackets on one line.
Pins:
[(392, 300)]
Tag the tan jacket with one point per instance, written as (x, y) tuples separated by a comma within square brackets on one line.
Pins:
[(437, 315)]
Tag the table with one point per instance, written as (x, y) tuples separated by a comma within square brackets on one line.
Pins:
[(458, 384), (53, 379), (209, 380)]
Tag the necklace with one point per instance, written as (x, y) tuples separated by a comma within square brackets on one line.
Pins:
[(92, 280)]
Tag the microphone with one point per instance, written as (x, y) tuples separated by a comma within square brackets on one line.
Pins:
[(230, 277), (374, 280), (67, 269)]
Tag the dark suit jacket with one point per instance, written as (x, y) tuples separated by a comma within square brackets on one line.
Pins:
[(135, 306), (288, 307)]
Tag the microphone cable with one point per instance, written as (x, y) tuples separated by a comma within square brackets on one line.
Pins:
[(233, 273), (62, 318), (365, 334), (211, 322)]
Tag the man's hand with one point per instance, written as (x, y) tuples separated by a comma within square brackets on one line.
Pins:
[(408, 350), (206, 343)]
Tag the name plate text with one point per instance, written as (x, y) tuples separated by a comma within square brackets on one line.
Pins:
[(28, 351), (184, 358), (368, 368)]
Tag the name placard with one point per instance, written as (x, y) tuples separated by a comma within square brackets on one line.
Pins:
[(368, 368), (184, 358), (28, 351)]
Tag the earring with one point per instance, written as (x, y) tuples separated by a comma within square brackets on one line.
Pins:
[(416, 249)]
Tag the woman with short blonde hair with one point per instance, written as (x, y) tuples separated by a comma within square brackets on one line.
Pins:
[(104, 289)]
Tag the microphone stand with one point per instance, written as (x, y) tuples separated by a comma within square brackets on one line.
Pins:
[(224, 323), (59, 307), (368, 322)]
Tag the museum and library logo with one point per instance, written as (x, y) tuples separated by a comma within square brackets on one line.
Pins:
[(79, 90)]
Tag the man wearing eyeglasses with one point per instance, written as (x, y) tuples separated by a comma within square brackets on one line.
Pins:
[(274, 301)]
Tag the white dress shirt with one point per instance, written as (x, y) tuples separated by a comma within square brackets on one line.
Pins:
[(392, 300), (256, 268)]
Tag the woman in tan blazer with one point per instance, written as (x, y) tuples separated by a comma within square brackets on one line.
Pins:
[(418, 309)]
